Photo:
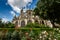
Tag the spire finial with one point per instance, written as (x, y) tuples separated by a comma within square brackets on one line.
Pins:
[(22, 10)]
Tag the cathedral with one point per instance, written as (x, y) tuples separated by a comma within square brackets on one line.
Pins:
[(27, 17)]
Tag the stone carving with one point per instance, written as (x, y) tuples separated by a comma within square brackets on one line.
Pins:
[(26, 17)]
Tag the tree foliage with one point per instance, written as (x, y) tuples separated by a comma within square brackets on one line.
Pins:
[(6, 25), (48, 9)]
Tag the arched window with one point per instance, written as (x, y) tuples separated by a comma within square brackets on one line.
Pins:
[(22, 23), (42, 22), (36, 21), (29, 21)]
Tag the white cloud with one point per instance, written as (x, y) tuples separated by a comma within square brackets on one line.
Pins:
[(24, 10), (18, 4), (4, 19), (12, 13), (16, 9), (27, 1)]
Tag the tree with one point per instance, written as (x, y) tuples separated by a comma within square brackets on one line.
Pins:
[(8, 25), (0, 20), (1, 24), (48, 9)]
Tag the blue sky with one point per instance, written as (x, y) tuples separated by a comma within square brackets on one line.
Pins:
[(10, 8)]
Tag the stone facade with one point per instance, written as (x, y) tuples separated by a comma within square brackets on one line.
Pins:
[(27, 17)]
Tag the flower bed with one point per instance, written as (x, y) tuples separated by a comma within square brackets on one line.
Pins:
[(30, 34)]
